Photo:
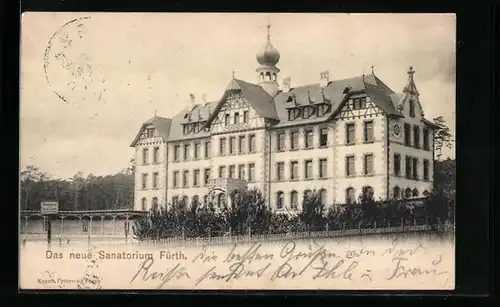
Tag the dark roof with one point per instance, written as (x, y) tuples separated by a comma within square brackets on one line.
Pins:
[(162, 124), (256, 96), (335, 94)]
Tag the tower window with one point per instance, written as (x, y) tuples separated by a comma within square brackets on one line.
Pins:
[(412, 108)]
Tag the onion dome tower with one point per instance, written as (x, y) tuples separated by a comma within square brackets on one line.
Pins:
[(267, 71)]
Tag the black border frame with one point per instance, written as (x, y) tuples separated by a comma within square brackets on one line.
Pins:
[(475, 212)]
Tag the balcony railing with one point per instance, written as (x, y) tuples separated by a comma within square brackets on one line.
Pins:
[(227, 183)]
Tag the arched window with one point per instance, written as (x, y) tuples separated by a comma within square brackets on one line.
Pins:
[(154, 202), (280, 200), (185, 200), (195, 199), (397, 192), (426, 193), (261, 76), (350, 196), (322, 196), (294, 200), (205, 199), (415, 193), (407, 193), (268, 76), (274, 77), (144, 203)]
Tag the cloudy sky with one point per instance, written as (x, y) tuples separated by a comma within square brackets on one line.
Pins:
[(88, 84)]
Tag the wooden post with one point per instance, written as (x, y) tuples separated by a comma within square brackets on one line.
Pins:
[(49, 228)]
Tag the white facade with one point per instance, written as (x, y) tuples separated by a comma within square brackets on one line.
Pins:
[(335, 138)]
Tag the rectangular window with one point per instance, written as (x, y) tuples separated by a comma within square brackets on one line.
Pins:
[(185, 178), (222, 171), (426, 169), (207, 176), (145, 153), (280, 141), (350, 133), (415, 168), (308, 169), (175, 200), (156, 154), (222, 146), (236, 118), (426, 139), (197, 150), (245, 117), (232, 145), (144, 181), (227, 119), (232, 171), (177, 152), (196, 177), (251, 143), (241, 144), (186, 151), (408, 167), (368, 164), (241, 172), (412, 108), (294, 140), (359, 103), (323, 137), (251, 172), (416, 136), (280, 171), (294, 170), (207, 150), (368, 131), (349, 166), (407, 134), (309, 143), (323, 170), (397, 164), (155, 180), (175, 182)]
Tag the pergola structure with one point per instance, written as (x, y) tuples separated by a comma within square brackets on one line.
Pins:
[(89, 215)]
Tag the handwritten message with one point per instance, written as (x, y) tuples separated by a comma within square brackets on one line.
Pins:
[(293, 264)]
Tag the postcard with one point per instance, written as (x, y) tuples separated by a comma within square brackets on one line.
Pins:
[(237, 151)]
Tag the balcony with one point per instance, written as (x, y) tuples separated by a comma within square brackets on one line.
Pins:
[(227, 184)]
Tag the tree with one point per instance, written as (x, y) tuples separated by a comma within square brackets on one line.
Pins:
[(312, 211), (442, 136), (31, 177)]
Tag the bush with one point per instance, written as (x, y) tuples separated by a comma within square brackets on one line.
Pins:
[(249, 214)]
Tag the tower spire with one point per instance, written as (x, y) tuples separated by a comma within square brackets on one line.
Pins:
[(268, 27)]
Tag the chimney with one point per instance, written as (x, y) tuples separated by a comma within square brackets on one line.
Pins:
[(192, 98), (325, 78), (286, 84)]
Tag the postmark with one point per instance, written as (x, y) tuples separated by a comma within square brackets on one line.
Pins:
[(68, 68)]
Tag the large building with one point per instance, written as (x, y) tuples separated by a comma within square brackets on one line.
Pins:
[(338, 137)]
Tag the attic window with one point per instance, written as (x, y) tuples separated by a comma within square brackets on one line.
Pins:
[(346, 90), (290, 98)]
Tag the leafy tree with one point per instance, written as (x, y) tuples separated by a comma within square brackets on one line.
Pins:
[(442, 136), (312, 211)]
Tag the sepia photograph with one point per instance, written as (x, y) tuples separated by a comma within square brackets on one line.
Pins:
[(237, 151)]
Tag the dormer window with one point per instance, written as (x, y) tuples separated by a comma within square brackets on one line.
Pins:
[(412, 108), (150, 132)]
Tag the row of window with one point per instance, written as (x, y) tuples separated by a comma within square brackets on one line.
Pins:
[(350, 130), (196, 152), (294, 198), (155, 182), (416, 136), (236, 119), (411, 167), (308, 169), (229, 146), (242, 172), (156, 155)]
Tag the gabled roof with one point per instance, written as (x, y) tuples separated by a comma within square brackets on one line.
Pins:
[(256, 96), (161, 124)]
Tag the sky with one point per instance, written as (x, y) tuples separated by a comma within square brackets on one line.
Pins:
[(89, 80)]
